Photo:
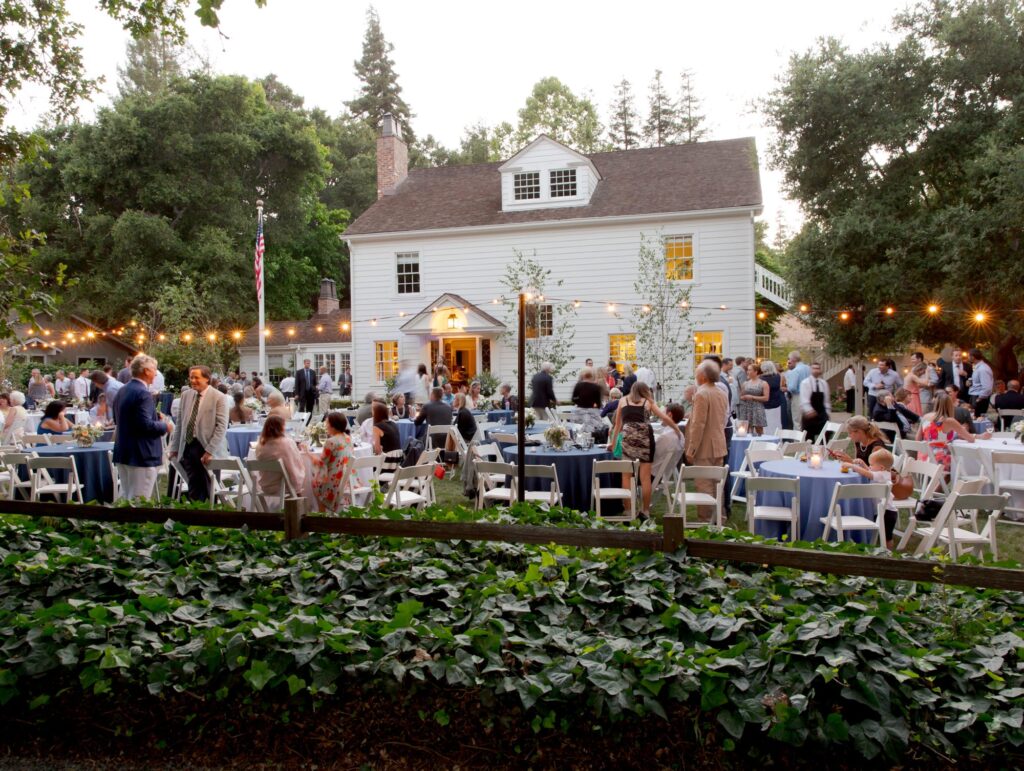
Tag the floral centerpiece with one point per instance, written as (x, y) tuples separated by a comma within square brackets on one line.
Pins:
[(1018, 430), (85, 434), (530, 418), (556, 436), (316, 434), (253, 404)]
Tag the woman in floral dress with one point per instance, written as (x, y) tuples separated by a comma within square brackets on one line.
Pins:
[(332, 469)]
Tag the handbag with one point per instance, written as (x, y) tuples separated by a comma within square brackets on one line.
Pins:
[(617, 452), (929, 509), (902, 486)]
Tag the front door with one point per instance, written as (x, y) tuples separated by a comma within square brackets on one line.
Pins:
[(460, 356)]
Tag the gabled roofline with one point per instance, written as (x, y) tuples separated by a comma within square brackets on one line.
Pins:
[(753, 209), (457, 301), (582, 160)]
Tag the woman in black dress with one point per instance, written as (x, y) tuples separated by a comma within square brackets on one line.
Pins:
[(586, 395), (385, 433)]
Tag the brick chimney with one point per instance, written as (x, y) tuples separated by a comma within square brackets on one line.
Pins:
[(328, 300), (392, 157)]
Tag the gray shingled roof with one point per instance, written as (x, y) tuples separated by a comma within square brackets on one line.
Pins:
[(693, 177)]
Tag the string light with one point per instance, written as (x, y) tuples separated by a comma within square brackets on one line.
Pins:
[(161, 337), (762, 315), (980, 317), (889, 310), (933, 309), (721, 307), (319, 328), (236, 335), (212, 337), (344, 327), (575, 303), (373, 322), (611, 307), (266, 333), (646, 309), (844, 316), (804, 308), (187, 337), (291, 331)]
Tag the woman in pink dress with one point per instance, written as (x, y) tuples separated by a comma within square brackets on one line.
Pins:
[(915, 380), (332, 469)]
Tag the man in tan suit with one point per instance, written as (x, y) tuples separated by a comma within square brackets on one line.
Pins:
[(705, 429), (201, 432)]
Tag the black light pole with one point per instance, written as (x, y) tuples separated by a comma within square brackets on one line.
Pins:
[(521, 407)]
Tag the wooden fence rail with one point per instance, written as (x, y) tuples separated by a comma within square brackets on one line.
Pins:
[(294, 523)]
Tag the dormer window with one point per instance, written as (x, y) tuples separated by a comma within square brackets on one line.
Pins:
[(527, 185), (563, 183)]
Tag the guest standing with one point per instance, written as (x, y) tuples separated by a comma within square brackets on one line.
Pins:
[(796, 373), (586, 395), (815, 404), (753, 395), (325, 388), (423, 385), (981, 383), (109, 387), (542, 396), (332, 469), (772, 407), (201, 433), (305, 387), (850, 386), (37, 389), (705, 429), (138, 447)]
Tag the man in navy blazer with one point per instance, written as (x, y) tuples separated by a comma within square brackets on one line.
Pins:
[(138, 447)]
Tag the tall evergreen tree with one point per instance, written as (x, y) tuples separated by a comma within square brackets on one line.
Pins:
[(662, 125), (380, 92), (151, 65), (623, 132), (691, 121)]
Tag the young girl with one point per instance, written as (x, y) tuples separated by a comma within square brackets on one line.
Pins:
[(879, 469)]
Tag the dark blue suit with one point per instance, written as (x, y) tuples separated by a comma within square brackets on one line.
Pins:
[(137, 442)]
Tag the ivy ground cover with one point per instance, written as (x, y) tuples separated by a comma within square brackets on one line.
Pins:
[(757, 660)]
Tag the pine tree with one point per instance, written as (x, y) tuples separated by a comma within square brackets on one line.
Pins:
[(151, 64), (380, 92), (662, 126), (622, 132), (691, 122)]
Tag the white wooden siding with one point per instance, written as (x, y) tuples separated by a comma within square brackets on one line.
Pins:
[(596, 262)]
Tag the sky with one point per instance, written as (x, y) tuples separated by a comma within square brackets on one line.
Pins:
[(461, 62)]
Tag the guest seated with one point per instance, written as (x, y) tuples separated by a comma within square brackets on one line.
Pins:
[(14, 414), (100, 412), (448, 396), (278, 406), (274, 445), (258, 388), (961, 410), (613, 402), (331, 470), (366, 427), (385, 432), (879, 470), (506, 400), (1011, 400), (890, 409), (940, 427), (239, 413), (474, 397), (400, 410), (435, 412), (365, 411), (866, 437), (53, 421), (667, 443), (464, 421)]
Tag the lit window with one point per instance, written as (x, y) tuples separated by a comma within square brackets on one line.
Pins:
[(386, 359), (539, 320), (622, 349), (563, 183), (706, 343), (527, 185), (679, 258), (763, 347), (408, 267)]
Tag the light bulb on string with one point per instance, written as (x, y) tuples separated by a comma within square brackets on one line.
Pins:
[(933, 309), (212, 337), (804, 307), (611, 307), (889, 310), (762, 315), (236, 335), (844, 316), (980, 317), (344, 327), (575, 303)]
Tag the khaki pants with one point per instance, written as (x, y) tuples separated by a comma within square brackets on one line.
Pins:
[(325, 403), (137, 481), (706, 486)]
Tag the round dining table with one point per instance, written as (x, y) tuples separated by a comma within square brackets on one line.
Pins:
[(532, 433), (574, 468), (91, 464), (816, 488), (738, 447), (240, 437), (406, 430), (974, 459)]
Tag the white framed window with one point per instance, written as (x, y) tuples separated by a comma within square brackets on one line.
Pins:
[(526, 185), (563, 183), (679, 265), (622, 349), (324, 360), (344, 362), (762, 347), (407, 272), (539, 320), (707, 342), (385, 359)]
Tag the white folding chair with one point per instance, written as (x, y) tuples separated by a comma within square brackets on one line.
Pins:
[(392, 462), (551, 496), (365, 471), (762, 512), (793, 449), (1007, 418), (43, 484), (6, 477), (114, 475), (500, 437), (234, 495), (1002, 477), (917, 450), (35, 440), (401, 494), (927, 477), (790, 435), (666, 476), (180, 486), (61, 439), (926, 530), (841, 523), (490, 483), (628, 495), (13, 462), (437, 436), (838, 445), (945, 531), (831, 427), (745, 471), (888, 428), (270, 502), (718, 475)]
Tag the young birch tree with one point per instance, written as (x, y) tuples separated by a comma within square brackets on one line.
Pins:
[(664, 340), (550, 322)]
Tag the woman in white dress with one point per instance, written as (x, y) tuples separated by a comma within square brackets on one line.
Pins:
[(422, 395)]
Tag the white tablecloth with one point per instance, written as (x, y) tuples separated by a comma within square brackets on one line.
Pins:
[(965, 465)]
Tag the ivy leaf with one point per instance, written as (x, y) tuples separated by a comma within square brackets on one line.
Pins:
[(259, 674), (732, 722)]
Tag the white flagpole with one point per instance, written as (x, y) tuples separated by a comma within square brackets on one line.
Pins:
[(263, 272)]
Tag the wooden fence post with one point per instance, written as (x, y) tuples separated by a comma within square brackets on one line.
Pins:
[(674, 532), (294, 511)]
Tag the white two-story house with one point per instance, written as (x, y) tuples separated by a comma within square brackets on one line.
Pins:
[(428, 257)]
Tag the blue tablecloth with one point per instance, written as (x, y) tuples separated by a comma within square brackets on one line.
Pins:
[(92, 466), (239, 438), (166, 400), (536, 428), (406, 430), (816, 486), (497, 416), (738, 447), (574, 469)]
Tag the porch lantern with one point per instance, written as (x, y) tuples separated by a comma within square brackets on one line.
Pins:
[(451, 320)]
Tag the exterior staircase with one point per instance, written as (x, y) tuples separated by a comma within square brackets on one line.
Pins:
[(773, 287)]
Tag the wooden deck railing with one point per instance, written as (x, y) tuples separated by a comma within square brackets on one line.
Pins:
[(294, 523)]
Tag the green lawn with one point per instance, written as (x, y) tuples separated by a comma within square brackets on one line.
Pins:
[(1010, 536)]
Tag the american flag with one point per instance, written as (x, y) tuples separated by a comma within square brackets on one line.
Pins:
[(258, 261)]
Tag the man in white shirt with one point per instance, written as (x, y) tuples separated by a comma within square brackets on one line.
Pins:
[(815, 404), (982, 383), (881, 378), (795, 376), (81, 385), (850, 386), (288, 387), (157, 386), (325, 387), (62, 385)]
